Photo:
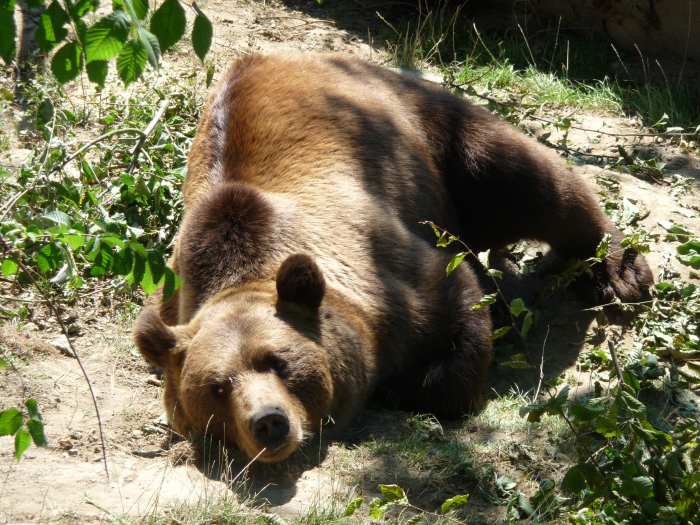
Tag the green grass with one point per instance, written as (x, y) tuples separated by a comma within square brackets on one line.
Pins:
[(547, 67)]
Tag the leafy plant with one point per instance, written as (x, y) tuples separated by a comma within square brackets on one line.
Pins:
[(26, 426), (125, 36)]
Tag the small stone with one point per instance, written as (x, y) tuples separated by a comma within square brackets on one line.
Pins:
[(65, 443), (61, 344), (72, 452)]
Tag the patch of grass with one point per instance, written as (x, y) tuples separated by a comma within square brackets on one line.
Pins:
[(544, 66)]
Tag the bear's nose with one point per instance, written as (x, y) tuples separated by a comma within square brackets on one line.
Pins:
[(270, 427)]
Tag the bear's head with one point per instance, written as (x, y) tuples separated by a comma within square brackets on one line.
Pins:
[(249, 369)]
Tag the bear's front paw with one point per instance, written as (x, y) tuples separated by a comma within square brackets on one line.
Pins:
[(624, 275)]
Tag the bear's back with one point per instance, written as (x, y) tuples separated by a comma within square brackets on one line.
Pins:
[(344, 160)]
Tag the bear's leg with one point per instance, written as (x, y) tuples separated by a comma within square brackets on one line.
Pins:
[(506, 187), (448, 379)]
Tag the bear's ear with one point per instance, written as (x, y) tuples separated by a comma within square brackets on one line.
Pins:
[(300, 281), (153, 337)]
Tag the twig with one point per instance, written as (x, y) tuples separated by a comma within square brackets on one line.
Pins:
[(616, 363), (97, 141), (539, 384), (147, 131), (59, 320)]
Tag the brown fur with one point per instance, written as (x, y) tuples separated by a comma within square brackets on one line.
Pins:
[(307, 278)]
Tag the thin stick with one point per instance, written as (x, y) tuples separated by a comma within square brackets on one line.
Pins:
[(59, 320), (147, 131), (539, 384), (97, 141), (616, 363)]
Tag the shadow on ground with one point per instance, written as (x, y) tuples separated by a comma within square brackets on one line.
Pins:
[(481, 34)]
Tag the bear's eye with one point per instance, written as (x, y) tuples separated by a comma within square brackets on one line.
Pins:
[(272, 362), (219, 390)]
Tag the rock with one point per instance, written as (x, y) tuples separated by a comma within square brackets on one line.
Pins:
[(61, 344)]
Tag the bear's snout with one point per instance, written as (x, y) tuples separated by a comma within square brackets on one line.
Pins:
[(270, 427)]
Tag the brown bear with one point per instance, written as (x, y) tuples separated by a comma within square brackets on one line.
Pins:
[(307, 278)]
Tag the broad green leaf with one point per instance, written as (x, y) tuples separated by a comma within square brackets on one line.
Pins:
[(455, 262), (8, 31), (9, 267), (67, 62), (36, 431), (353, 506), (171, 282), (168, 24), (3, 363), (392, 492), (58, 217), (131, 61), (517, 306), (202, 33), (500, 332), (150, 44), (50, 30), (137, 9), (486, 300), (518, 361), (640, 487), (10, 421), (33, 409), (377, 508), (453, 503), (97, 71), (689, 253), (527, 324), (22, 441), (601, 251), (105, 39), (580, 477)]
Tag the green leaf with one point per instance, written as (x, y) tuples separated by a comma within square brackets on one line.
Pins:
[(67, 62), (58, 217), (527, 324), (50, 30), (22, 441), (105, 39), (392, 492), (453, 503), (517, 361), (455, 262), (168, 24), (486, 300), (81, 7), (36, 430), (202, 33), (500, 332), (10, 421), (353, 506), (517, 306), (8, 32), (131, 61), (150, 44), (97, 71), (9, 267), (3, 363), (580, 477), (689, 253), (640, 487), (377, 508), (33, 409), (137, 9)]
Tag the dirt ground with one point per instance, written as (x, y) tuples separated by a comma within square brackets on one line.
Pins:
[(66, 482)]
